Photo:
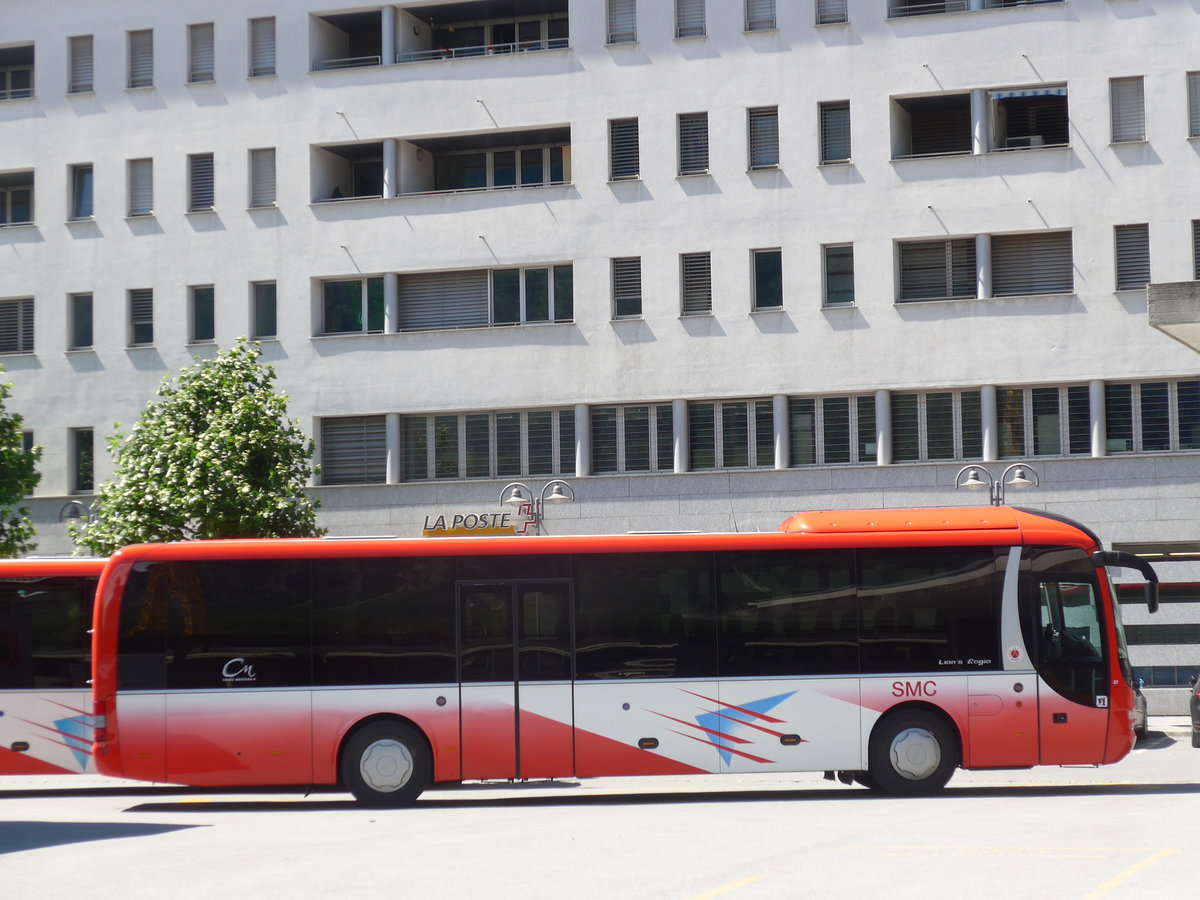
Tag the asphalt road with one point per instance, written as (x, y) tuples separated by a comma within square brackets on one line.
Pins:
[(1124, 831)]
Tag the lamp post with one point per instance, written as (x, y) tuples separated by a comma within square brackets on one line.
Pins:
[(976, 475), (522, 496)]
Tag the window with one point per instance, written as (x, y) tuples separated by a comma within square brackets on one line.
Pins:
[(835, 132), (760, 15), (731, 434), (831, 12), (141, 187), (203, 313), (16, 72), (83, 452), (455, 299), (200, 53), (1132, 243), (262, 47), (839, 274), (828, 431), (353, 306), (1038, 263), (200, 182), (81, 192), (938, 270), (622, 21), (16, 325), (79, 307), (764, 137), (899, 8), (1193, 101), (141, 317), (768, 278), (526, 296), (141, 59), (262, 177), (627, 287), (1025, 118), (16, 198), (263, 325), (1128, 109), (1043, 421), (936, 425), (354, 450), (623, 160), (506, 167), (79, 66), (932, 126), (689, 18), (1196, 249), (632, 439), (695, 271), (498, 444), (1154, 416), (693, 144)]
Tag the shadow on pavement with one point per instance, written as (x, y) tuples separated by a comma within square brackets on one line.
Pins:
[(17, 836)]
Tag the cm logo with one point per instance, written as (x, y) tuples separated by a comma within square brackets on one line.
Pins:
[(914, 688)]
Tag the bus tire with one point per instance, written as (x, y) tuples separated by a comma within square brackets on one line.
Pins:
[(866, 780), (912, 752), (386, 764)]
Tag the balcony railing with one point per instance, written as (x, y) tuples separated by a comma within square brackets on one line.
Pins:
[(350, 62), (928, 8), (408, 56)]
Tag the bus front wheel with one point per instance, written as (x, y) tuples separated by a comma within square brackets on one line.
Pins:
[(386, 764), (912, 752)]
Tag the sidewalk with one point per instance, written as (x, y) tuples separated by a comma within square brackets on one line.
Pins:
[(1175, 726)]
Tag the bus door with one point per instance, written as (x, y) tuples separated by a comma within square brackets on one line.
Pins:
[(514, 647), (1073, 715)]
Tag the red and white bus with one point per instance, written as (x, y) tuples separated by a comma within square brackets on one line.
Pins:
[(45, 664), (891, 646)]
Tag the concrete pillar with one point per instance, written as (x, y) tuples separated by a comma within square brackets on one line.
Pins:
[(782, 435), (583, 439), (979, 116), (1098, 417), (983, 266), (991, 428), (391, 427), (391, 168), (883, 428), (387, 25), (391, 303), (679, 419)]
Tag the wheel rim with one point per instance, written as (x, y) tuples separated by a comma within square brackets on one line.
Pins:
[(916, 753), (386, 765)]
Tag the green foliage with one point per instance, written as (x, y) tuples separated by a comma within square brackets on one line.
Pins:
[(216, 457), (18, 478)]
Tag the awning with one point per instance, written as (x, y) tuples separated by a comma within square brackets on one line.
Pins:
[(1060, 91)]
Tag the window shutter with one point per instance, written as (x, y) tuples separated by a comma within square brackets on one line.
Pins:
[(702, 436), (830, 12), (802, 431), (689, 18), (262, 177), (622, 21), (627, 286), (1196, 249), (1032, 264), (141, 316), (200, 182), (835, 132), (835, 422), (200, 51), (262, 46), (623, 149), (1128, 109), (697, 283), (760, 15), (141, 59), (693, 143), (16, 325), (1133, 256), (1118, 417), (604, 440), (81, 65), (764, 137), (443, 300), (141, 187), (354, 450), (938, 270)]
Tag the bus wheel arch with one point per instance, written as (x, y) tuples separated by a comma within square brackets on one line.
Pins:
[(385, 761), (913, 750)]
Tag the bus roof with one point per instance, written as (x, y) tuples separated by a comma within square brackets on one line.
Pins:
[(970, 526), (50, 566)]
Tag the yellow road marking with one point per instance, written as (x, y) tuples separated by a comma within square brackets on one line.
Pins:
[(729, 887), (1122, 877)]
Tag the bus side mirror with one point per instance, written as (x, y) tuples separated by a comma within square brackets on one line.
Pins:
[(1123, 560)]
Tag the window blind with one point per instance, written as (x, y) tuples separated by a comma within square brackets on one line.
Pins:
[(16, 325), (262, 177), (82, 70), (1032, 264), (141, 187), (696, 272), (760, 15), (693, 143), (354, 450), (689, 18), (1193, 95), (623, 149), (1128, 109), (456, 299), (141, 316), (622, 21), (200, 182), (835, 132), (141, 59), (1133, 256), (830, 12), (200, 52), (262, 46), (938, 270), (764, 137)]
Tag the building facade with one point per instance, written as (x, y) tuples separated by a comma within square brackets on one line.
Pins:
[(707, 262)]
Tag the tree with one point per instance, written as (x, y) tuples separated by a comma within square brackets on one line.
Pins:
[(216, 457), (18, 478)]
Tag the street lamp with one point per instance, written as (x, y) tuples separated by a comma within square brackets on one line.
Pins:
[(976, 475), (521, 495)]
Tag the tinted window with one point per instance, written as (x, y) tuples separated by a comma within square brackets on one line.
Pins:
[(43, 632), (645, 615), (383, 621), (929, 610), (1069, 634), (787, 613)]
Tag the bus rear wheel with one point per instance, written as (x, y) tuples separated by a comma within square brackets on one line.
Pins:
[(386, 764), (912, 752)]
